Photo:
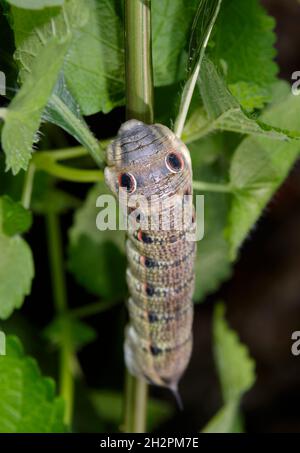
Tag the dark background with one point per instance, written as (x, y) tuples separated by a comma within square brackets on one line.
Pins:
[(262, 298)]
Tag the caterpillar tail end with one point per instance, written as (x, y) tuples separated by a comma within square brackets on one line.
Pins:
[(178, 399)]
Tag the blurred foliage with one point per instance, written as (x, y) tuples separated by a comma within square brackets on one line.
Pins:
[(236, 373), (28, 402), (241, 131)]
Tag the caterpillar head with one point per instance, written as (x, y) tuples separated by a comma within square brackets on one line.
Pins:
[(149, 161)]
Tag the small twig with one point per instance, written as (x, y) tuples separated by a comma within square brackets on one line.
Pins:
[(60, 301), (28, 186)]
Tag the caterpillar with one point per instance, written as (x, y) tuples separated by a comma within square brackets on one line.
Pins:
[(150, 161)]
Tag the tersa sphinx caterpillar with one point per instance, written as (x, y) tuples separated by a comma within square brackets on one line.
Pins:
[(151, 162)]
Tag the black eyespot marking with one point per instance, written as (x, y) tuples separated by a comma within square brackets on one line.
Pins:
[(174, 162), (141, 236), (128, 182), (149, 263), (152, 317), (149, 290), (155, 350)]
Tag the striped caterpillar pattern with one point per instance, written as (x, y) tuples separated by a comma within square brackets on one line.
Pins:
[(150, 161)]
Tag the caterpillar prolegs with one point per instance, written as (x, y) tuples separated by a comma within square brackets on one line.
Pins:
[(149, 161)]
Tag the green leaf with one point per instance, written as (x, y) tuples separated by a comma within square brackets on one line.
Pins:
[(236, 373), (223, 112), (234, 364), (244, 44), (14, 218), (23, 117), (94, 69), (171, 22), (63, 111), (81, 333), (96, 258), (226, 420), (34, 30), (258, 168), (2, 343), (206, 15), (212, 263), (16, 273), (28, 403), (109, 406), (35, 4)]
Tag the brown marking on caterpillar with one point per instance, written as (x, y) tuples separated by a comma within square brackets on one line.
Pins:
[(151, 161)]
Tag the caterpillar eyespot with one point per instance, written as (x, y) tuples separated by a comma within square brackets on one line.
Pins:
[(160, 274), (127, 181), (174, 162)]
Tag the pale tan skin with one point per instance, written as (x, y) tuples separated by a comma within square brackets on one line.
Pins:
[(151, 161)]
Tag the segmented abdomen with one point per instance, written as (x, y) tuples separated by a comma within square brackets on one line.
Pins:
[(160, 280), (148, 160)]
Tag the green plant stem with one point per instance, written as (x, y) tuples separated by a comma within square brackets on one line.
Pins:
[(211, 187), (138, 60), (136, 391), (43, 161), (139, 105), (60, 301), (189, 88), (28, 186), (92, 309)]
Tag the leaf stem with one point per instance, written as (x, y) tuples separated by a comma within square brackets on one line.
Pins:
[(60, 301), (28, 186), (139, 105), (189, 88), (211, 187), (80, 130), (138, 63), (43, 161), (92, 309)]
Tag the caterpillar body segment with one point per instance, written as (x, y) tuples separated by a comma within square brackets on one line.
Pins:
[(150, 162)]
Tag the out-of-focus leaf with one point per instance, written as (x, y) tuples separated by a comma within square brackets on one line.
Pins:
[(223, 112), (14, 218), (16, 273), (63, 111), (258, 168), (96, 258), (171, 23), (35, 4), (234, 364), (212, 263), (23, 117), (81, 333), (2, 343), (109, 406), (28, 403), (227, 420), (236, 373), (244, 44), (206, 15)]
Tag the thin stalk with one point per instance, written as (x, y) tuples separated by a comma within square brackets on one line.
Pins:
[(138, 63), (139, 105), (28, 186), (80, 130), (50, 166), (66, 380), (92, 309), (202, 186), (191, 82)]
